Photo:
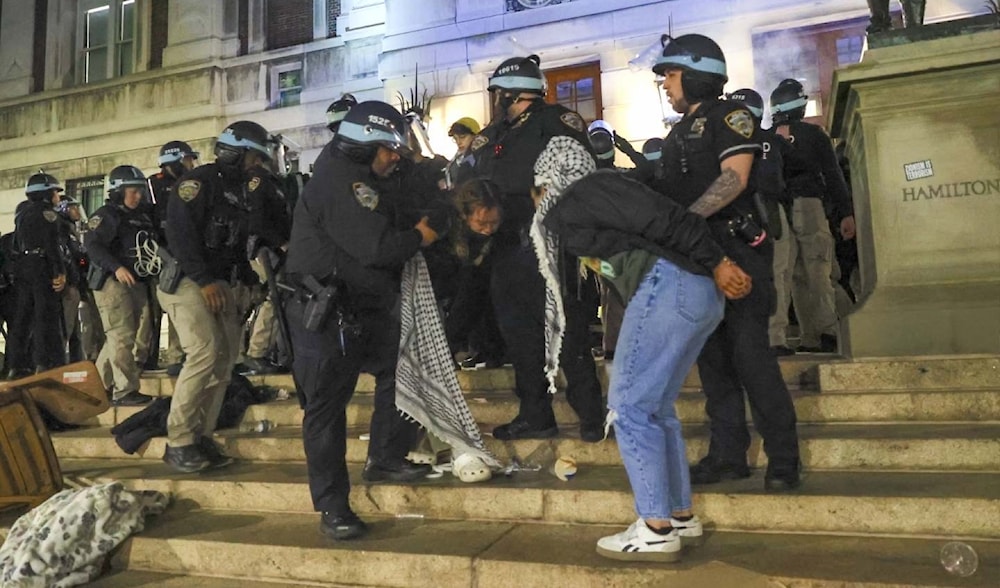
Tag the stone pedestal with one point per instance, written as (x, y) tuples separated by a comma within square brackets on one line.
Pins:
[(922, 125)]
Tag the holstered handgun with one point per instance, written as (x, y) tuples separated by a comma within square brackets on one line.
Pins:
[(170, 272), (96, 277), (319, 303)]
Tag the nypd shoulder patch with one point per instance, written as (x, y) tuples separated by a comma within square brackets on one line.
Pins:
[(479, 142), (188, 190), (50, 215), (741, 121), (94, 222), (253, 184), (573, 121), (365, 195)]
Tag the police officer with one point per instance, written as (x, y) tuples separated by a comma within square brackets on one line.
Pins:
[(176, 158), (208, 232), (271, 225), (40, 275), (122, 246), (815, 184), (602, 139), (76, 263), (337, 110), (707, 161), (343, 237), (772, 195), (505, 152)]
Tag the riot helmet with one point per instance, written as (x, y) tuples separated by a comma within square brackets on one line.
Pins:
[(172, 156), (122, 177), (788, 101), (65, 204), (602, 139), (751, 100), (511, 78), (652, 148), (702, 62), (41, 185), (519, 74), (238, 139), (369, 125), (338, 109)]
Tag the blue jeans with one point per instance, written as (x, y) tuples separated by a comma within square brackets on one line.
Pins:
[(665, 325)]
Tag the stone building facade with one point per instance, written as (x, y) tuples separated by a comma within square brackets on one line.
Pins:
[(86, 85)]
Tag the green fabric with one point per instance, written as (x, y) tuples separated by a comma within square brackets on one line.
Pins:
[(625, 271)]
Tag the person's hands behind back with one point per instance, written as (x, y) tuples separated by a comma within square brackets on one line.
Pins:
[(731, 279)]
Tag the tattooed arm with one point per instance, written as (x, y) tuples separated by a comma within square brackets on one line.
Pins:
[(726, 187)]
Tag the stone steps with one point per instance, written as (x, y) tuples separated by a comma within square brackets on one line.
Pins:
[(900, 456), (915, 447), (855, 503), (798, 371), (443, 554), (811, 407)]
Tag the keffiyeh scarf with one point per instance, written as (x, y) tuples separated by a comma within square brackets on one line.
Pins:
[(427, 390), (564, 161)]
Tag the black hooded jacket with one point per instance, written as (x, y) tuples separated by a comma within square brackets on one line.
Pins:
[(606, 213)]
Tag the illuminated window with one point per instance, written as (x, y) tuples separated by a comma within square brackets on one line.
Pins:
[(286, 85), (89, 192), (577, 88), (107, 39)]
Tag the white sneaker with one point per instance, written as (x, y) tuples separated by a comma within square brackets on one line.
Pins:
[(640, 543), (690, 531)]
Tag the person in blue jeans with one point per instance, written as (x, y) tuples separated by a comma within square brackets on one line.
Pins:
[(672, 278)]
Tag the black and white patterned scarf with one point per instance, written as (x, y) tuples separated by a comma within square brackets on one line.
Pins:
[(427, 390), (564, 161)]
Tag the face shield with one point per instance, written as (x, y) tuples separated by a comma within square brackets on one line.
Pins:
[(419, 133)]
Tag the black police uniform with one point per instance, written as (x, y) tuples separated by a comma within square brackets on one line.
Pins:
[(270, 220), (769, 171), (343, 235), (162, 186), (737, 355), (505, 153), (208, 231), (812, 169), (38, 261), (112, 240), (76, 268)]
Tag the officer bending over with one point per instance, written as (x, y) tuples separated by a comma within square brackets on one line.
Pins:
[(344, 239)]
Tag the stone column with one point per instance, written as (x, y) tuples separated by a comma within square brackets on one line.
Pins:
[(16, 51), (921, 126), (201, 31)]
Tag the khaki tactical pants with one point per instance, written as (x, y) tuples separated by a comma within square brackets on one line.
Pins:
[(211, 342), (803, 265), (121, 307)]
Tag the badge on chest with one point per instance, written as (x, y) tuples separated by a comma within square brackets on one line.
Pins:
[(365, 195)]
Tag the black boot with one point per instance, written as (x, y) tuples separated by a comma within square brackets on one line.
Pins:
[(394, 470), (342, 527)]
